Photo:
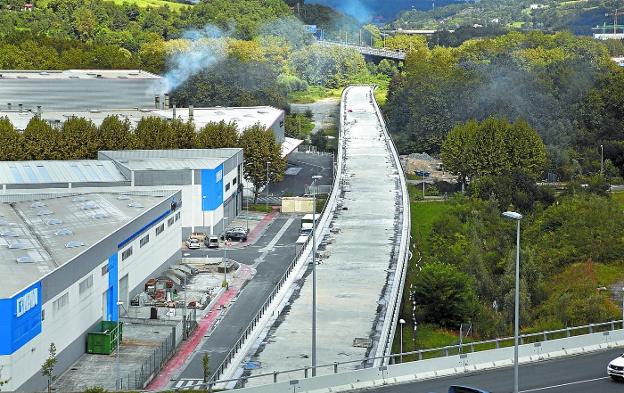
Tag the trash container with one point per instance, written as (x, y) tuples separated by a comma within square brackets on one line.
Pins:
[(103, 341)]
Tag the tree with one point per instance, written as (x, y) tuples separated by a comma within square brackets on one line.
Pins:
[(78, 139), (41, 141), (261, 152), (47, 369), (206, 366), (152, 133), (217, 135), (327, 66), (445, 295), (115, 134), (493, 147), (11, 142)]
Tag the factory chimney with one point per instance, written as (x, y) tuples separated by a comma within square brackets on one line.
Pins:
[(166, 103), (174, 111), (157, 102), (191, 112)]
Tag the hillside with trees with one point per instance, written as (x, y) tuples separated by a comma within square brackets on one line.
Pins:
[(578, 17)]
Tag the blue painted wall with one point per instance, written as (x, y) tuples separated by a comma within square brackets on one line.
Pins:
[(16, 331), (112, 311), (212, 188)]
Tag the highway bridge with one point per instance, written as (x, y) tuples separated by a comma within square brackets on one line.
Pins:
[(369, 51)]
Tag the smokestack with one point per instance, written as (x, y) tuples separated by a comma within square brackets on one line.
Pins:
[(157, 102), (9, 106), (39, 109), (190, 112), (20, 107), (174, 111), (166, 101)]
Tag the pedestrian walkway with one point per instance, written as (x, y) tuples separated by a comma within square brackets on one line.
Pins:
[(189, 384), (244, 274)]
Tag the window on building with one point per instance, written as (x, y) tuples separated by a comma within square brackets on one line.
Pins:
[(144, 240), (170, 221), (177, 216), (160, 229), (233, 181), (61, 302), (227, 187), (85, 284), (126, 254), (104, 269), (42, 314)]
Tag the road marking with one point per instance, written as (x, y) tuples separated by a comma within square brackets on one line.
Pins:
[(564, 384), (265, 251)]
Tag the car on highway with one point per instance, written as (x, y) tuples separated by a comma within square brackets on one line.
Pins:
[(615, 369), (193, 244), (212, 242)]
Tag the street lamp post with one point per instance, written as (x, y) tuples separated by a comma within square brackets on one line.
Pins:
[(516, 217), (224, 249), (601, 159), (313, 185), (117, 365), (267, 185), (622, 308), (402, 322)]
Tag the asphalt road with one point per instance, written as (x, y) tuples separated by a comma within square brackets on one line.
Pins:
[(271, 263), (576, 374)]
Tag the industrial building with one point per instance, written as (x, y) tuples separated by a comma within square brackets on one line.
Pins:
[(79, 89), (67, 260), (209, 180)]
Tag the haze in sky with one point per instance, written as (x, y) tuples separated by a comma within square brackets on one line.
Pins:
[(366, 10)]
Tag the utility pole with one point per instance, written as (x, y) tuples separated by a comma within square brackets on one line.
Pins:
[(267, 185), (313, 186)]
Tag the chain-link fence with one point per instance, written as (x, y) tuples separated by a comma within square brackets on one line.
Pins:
[(151, 366)]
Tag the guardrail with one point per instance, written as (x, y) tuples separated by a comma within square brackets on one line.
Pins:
[(297, 263), (535, 346), (391, 318)]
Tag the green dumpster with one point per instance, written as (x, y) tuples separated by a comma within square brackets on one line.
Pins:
[(104, 340)]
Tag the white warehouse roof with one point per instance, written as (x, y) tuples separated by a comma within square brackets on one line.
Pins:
[(244, 117), (84, 171), (38, 236)]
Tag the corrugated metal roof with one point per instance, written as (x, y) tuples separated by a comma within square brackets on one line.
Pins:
[(36, 172), (172, 164)]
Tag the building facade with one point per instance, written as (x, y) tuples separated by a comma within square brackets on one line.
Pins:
[(67, 261), (209, 179)]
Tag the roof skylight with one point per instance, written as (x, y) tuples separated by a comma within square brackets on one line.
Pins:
[(74, 244)]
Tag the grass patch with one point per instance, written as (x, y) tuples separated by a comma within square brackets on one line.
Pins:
[(140, 3), (260, 207), (313, 94), (423, 215), (154, 4), (618, 197)]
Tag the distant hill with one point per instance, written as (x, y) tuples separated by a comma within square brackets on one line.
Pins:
[(380, 10), (578, 16)]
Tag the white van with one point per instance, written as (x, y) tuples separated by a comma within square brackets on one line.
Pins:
[(306, 229)]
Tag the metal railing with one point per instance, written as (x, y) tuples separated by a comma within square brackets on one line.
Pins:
[(451, 350), (367, 50)]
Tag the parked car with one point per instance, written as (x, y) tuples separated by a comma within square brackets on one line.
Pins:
[(225, 235), (212, 242), (237, 235), (615, 369), (193, 244)]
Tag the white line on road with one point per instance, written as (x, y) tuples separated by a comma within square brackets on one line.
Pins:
[(563, 384), (265, 251)]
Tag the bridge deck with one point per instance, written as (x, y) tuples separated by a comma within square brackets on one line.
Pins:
[(354, 270)]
